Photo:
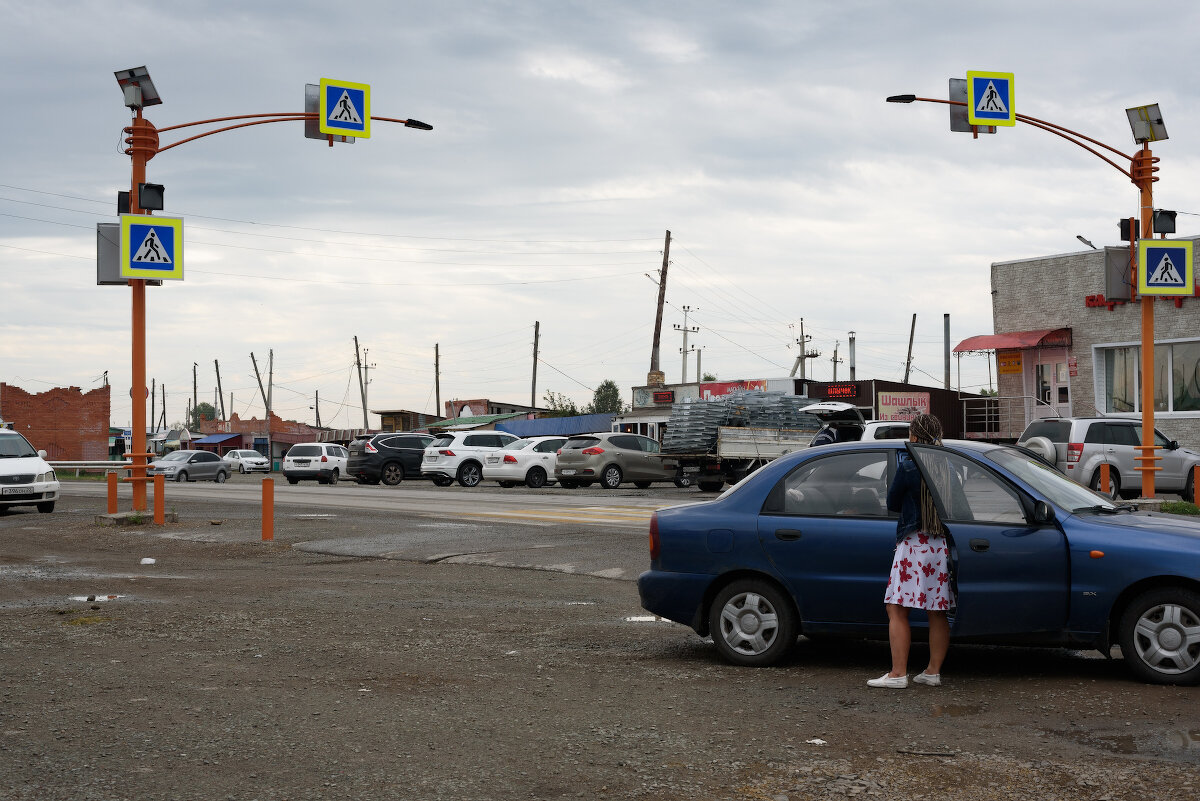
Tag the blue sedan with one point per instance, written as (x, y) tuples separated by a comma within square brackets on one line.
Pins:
[(804, 546)]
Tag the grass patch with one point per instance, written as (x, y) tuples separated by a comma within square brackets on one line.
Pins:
[(1180, 508)]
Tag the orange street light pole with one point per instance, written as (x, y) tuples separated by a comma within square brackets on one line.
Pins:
[(1141, 173)]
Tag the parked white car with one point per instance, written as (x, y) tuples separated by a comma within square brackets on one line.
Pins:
[(529, 461), (844, 423), (247, 461), (322, 461), (25, 477), (459, 455)]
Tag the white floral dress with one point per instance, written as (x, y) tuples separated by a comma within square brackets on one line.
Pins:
[(920, 577)]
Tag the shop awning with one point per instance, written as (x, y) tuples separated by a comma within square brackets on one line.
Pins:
[(214, 439), (1017, 340)]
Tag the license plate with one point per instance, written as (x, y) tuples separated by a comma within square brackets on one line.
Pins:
[(691, 469), (492, 460), (567, 472), (16, 490), (302, 462)]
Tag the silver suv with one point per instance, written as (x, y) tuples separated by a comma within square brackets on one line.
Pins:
[(459, 455), (1077, 446)]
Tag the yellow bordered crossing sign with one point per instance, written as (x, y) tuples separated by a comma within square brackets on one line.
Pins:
[(151, 247), (1165, 267), (990, 98), (345, 108)]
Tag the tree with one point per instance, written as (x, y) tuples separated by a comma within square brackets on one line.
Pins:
[(560, 405), (203, 411), (708, 377), (607, 399)]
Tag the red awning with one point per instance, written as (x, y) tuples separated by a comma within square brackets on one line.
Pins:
[(1017, 340)]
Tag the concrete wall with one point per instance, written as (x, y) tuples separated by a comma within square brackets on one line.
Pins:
[(67, 423)]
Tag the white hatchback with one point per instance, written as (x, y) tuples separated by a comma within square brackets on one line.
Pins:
[(247, 461), (323, 461), (25, 477), (529, 461)]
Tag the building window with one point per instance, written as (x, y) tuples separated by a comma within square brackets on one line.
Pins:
[(1176, 378)]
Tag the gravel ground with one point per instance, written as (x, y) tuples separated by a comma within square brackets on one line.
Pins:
[(251, 670)]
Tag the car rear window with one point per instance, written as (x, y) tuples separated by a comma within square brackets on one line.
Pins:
[(442, 442), (305, 450), (579, 443), (1053, 430)]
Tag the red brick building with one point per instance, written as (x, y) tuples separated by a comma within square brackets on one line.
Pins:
[(69, 424)]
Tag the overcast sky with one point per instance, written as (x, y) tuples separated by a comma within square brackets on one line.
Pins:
[(568, 137)]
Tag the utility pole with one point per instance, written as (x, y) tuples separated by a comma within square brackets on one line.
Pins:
[(533, 389), (946, 339), (362, 387), (221, 392), (908, 362), (437, 382), (852, 356), (699, 353), (154, 419), (266, 402), (805, 353), (835, 358), (195, 399), (317, 407), (164, 407), (684, 350), (655, 377)]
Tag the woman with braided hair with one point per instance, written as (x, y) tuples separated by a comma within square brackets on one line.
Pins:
[(920, 576)]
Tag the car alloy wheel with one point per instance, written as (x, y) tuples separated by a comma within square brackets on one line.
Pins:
[(220, 477), (535, 478), (469, 474), (1160, 636), (392, 474), (181, 476), (611, 477), (752, 623)]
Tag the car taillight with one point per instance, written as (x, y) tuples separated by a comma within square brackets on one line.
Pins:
[(369, 448), (592, 451), (446, 452), (1074, 451), (510, 459), (558, 452), (324, 458), (655, 545)]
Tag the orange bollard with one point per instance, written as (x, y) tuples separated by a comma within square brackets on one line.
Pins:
[(160, 501), (1195, 481), (112, 492), (1104, 479), (268, 509)]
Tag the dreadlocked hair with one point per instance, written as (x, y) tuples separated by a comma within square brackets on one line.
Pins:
[(927, 430)]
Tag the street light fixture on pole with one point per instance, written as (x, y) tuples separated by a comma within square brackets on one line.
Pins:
[(142, 144), (1147, 127)]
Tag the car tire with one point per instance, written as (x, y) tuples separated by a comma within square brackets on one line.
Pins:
[(711, 486), (181, 476), (568, 483), (1189, 489), (752, 623), (220, 479), (1154, 640), (293, 481), (683, 482), (1043, 447), (1114, 483), (642, 484), (242, 469), (469, 474), (333, 477), (46, 507), (535, 478), (611, 477), (507, 484), (392, 474)]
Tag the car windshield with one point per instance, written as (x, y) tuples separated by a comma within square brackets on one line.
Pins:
[(176, 456), (1053, 485), (15, 446)]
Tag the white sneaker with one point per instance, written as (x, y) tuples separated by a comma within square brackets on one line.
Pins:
[(932, 679), (889, 681)]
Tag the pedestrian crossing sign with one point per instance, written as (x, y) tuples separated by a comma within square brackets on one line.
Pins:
[(990, 98), (1165, 267), (151, 247), (345, 108)]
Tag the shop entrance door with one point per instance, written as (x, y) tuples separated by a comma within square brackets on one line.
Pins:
[(1048, 379)]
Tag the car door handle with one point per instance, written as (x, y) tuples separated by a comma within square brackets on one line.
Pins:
[(980, 545), (787, 534)]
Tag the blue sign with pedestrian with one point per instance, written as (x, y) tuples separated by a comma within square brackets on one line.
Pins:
[(151, 247), (990, 98), (345, 108), (1165, 267)]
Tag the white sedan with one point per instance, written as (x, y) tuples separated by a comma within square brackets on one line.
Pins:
[(529, 461), (248, 461)]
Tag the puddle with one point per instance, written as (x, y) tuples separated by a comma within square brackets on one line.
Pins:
[(1180, 744), (956, 710)]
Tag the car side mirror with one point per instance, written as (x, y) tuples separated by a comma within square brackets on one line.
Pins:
[(1042, 513), (42, 453), (1173, 445)]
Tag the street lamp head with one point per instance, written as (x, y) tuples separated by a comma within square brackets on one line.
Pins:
[(420, 126), (138, 88), (1084, 241), (902, 99)]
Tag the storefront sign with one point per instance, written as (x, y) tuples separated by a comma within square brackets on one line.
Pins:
[(1008, 362), (902, 405), (664, 396), (719, 389), (1073, 366), (841, 391)]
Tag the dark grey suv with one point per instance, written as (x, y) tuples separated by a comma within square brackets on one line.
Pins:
[(389, 458), (1077, 446)]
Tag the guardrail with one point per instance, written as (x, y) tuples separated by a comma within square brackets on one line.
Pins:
[(95, 465)]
